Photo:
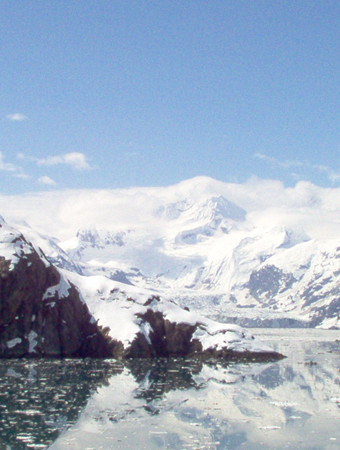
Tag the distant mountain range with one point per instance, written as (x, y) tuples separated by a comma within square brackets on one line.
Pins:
[(192, 244)]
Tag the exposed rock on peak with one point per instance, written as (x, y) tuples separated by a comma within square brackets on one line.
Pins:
[(99, 239)]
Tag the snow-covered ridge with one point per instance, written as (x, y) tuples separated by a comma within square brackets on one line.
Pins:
[(122, 309)]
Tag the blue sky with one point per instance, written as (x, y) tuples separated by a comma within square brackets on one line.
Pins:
[(109, 94)]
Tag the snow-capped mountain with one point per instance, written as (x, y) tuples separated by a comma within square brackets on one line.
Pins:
[(208, 249), (274, 270), (47, 311), (254, 256)]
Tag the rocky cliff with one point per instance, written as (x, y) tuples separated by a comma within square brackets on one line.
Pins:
[(41, 313)]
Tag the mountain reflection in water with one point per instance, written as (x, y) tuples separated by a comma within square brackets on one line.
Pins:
[(177, 404)]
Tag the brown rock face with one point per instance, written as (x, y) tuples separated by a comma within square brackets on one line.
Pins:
[(171, 339), (166, 339), (33, 325)]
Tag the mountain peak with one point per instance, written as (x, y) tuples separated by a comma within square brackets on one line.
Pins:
[(215, 208), (221, 208)]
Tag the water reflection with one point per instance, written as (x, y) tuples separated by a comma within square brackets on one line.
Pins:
[(38, 400), (177, 404)]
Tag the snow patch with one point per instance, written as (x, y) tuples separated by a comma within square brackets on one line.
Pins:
[(146, 330), (32, 341), (214, 335), (61, 289), (13, 342)]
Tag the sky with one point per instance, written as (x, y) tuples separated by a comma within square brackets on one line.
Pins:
[(112, 94)]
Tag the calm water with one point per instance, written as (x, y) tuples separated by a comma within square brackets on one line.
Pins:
[(75, 404)]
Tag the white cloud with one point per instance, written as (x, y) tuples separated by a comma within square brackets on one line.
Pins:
[(268, 203), (47, 181), (75, 160), (332, 175), (17, 117)]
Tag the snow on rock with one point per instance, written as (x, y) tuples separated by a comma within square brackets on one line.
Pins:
[(147, 325), (61, 290), (30, 287), (89, 241), (13, 342), (46, 245), (13, 245), (32, 341), (217, 208)]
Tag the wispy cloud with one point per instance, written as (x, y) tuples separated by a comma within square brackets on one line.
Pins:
[(287, 164), (8, 167), (331, 174), (16, 171), (46, 181), (22, 176), (17, 117), (76, 160)]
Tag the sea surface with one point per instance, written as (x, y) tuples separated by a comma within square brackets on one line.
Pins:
[(178, 404)]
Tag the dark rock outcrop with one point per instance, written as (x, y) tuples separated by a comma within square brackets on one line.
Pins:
[(165, 339), (41, 313)]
